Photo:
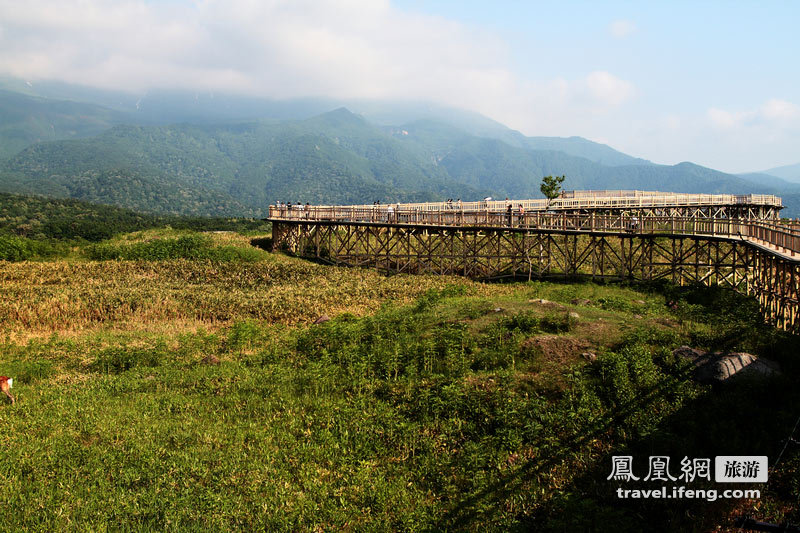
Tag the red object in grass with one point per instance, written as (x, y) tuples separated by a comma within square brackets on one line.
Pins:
[(5, 385)]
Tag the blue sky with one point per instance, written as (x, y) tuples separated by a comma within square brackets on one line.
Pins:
[(729, 49), (683, 58), (715, 83)]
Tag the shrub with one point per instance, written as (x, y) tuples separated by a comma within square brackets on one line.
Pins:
[(20, 249), (242, 335), (28, 372), (525, 322), (118, 360), (433, 296), (614, 303)]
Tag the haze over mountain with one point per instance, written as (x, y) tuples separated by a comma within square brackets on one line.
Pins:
[(170, 107), (221, 155), (788, 172)]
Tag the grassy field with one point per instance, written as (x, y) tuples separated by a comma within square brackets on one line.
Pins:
[(175, 381)]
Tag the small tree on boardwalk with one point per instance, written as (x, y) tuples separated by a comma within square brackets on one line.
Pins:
[(551, 187)]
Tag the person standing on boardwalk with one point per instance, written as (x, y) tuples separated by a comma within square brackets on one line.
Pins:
[(510, 213)]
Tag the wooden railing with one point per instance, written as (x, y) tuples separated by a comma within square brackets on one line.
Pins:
[(782, 237), (584, 200)]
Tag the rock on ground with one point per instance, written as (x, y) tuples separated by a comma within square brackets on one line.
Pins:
[(542, 301), (211, 359), (717, 367)]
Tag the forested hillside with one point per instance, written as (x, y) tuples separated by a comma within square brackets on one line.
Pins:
[(237, 169), (40, 218), (232, 169), (25, 120)]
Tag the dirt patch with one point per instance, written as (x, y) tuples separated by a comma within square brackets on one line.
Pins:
[(557, 348), (603, 333)]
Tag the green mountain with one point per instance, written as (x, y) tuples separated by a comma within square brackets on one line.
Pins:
[(575, 146), (338, 157), (231, 169), (768, 180), (164, 107), (788, 172), (25, 120), (517, 171)]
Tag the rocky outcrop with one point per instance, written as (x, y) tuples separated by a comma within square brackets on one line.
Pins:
[(717, 367)]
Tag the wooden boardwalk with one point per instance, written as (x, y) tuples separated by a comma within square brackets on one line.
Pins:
[(643, 203), (698, 239)]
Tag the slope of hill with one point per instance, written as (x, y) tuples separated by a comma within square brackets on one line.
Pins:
[(768, 180), (25, 120), (37, 217), (516, 171), (231, 169), (788, 172), (336, 157), (170, 107)]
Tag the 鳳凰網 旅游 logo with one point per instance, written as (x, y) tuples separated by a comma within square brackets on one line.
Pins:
[(726, 469), (691, 477)]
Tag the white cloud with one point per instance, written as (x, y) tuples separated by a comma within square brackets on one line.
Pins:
[(725, 119), (774, 114), (731, 140), (294, 48), (609, 89), (621, 28), (280, 48), (369, 49), (780, 110)]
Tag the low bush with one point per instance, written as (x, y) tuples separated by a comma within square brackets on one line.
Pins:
[(14, 248), (120, 359)]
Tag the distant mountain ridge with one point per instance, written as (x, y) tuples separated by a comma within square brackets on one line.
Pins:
[(171, 107), (788, 172), (234, 167), (26, 120)]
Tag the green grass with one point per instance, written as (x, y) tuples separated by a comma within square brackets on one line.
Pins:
[(150, 245), (464, 409), (14, 248), (192, 246)]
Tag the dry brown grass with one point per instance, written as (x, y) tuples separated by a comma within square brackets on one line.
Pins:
[(38, 299)]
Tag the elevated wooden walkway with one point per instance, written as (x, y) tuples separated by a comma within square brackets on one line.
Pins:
[(728, 240), (644, 203)]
